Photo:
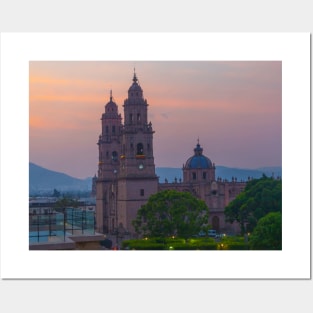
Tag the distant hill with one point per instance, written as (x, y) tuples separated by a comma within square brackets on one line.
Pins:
[(44, 180), (243, 174), (224, 172), (169, 173)]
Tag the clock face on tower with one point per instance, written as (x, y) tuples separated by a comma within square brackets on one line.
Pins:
[(140, 166)]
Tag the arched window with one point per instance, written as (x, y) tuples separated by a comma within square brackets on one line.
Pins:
[(140, 149)]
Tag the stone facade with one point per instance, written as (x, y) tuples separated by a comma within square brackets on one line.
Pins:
[(126, 170), (199, 180)]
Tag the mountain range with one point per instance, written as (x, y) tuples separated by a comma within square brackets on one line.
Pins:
[(43, 180), (223, 172)]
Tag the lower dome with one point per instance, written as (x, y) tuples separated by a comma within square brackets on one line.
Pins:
[(198, 160)]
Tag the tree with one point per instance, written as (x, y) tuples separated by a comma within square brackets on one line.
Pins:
[(169, 213), (267, 234), (56, 193), (260, 197), (65, 202)]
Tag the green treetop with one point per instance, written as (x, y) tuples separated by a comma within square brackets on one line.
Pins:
[(169, 213), (260, 197)]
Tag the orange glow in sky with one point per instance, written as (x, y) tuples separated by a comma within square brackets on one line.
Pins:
[(235, 108)]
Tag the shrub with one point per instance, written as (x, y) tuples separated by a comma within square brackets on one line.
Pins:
[(170, 244)]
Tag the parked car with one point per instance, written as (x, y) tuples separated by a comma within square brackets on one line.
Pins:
[(212, 233)]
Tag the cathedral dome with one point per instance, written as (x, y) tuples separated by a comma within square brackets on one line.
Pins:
[(198, 160)]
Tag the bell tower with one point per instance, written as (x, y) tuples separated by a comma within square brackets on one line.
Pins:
[(137, 179), (137, 144), (109, 145)]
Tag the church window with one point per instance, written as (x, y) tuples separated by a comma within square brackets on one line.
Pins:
[(140, 149), (142, 192), (113, 129), (204, 175), (138, 117), (114, 156), (194, 176)]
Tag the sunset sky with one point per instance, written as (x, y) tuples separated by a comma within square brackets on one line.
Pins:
[(234, 108)]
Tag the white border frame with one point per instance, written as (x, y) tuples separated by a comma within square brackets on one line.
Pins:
[(293, 262)]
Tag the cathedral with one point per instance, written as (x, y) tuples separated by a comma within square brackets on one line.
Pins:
[(126, 170)]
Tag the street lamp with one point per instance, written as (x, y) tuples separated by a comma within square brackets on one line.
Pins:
[(115, 200)]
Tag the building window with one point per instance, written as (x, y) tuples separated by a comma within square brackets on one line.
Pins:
[(204, 175), (140, 149), (142, 192), (138, 117), (194, 176), (107, 154), (114, 156), (130, 118), (106, 129), (148, 146), (113, 129)]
